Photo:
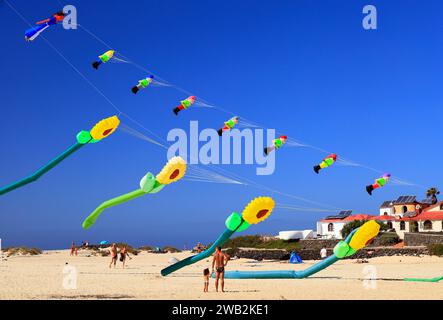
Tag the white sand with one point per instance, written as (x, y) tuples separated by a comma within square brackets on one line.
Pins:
[(41, 277)]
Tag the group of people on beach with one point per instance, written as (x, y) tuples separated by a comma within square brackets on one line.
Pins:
[(219, 261), (114, 250), (114, 255)]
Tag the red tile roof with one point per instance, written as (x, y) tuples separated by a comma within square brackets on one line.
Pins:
[(435, 215)]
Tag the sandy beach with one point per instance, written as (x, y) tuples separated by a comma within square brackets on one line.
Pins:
[(41, 277)]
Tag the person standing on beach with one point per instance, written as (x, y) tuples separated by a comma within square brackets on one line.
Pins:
[(123, 254), (220, 260), (73, 249), (114, 255)]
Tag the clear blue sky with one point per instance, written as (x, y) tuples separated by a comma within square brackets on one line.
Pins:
[(306, 68)]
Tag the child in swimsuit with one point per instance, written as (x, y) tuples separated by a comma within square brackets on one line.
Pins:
[(206, 279)]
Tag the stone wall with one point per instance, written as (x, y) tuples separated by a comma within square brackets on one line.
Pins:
[(313, 254), (423, 239)]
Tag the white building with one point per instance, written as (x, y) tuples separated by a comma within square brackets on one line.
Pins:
[(296, 235)]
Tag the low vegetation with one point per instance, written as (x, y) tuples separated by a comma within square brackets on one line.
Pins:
[(22, 251), (170, 249), (436, 249), (259, 242), (389, 239), (146, 248)]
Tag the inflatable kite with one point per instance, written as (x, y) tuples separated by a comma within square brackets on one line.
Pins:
[(380, 182), (105, 57), (437, 279), (142, 84), (357, 240), (276, 144), (100, 131), (255, 212), (34, 32), (185, 104), (173, 171), (229, 125), (327, 162)]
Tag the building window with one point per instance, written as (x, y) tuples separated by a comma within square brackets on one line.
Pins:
[(331, 227), (385, 213), (405, 209), (390, 225), (427, 225), (402, 225), (441, 207)]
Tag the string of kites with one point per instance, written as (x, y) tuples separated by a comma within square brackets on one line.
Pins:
[(174, 169)]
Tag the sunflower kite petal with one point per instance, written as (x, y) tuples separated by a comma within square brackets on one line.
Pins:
[(258, 210)]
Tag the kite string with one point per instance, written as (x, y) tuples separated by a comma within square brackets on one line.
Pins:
[(251, 182), (204, 102)]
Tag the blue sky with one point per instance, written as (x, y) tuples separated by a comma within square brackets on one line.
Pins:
[(306, 68)]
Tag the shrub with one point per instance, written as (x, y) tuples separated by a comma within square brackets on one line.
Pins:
[(171, 249), (146, 248), (389, 239), (436, 249), (22, 251), (258, 242)]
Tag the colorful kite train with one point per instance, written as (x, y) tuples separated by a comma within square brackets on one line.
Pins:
[(105, 57), (173, 171), (380, 182), (142, 84), (327, 162), (100, 131), (34, 32), (229, 125), (185, 104), (276, 144)]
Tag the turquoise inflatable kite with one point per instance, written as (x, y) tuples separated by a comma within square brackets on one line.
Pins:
[(255, 212), (354, 242), (100, 131)]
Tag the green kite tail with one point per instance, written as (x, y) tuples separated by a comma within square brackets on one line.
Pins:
[(438, 279), (147, 185), (83, 138)]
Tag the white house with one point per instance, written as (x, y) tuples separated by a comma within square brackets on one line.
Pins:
[(296, 235)]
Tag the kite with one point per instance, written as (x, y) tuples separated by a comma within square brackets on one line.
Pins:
[(173, 171), (255, 212), (437, 279), (357, 240), (34, 32), (276, 144), (380, 182), (185, 104), (105, 57), (100, 131), (327, 162), (229, 125), (142, 84)]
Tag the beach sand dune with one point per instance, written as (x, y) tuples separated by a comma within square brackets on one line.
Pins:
[(42, 277)]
